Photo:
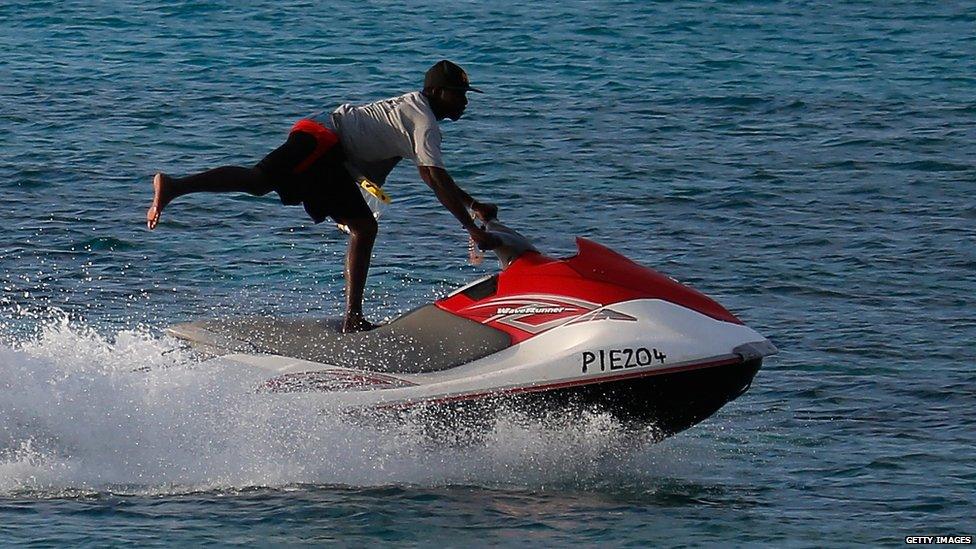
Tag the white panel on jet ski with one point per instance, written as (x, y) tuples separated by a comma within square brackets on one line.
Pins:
[(663, 337)]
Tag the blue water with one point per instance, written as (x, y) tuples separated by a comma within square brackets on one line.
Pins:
[(811, 166)]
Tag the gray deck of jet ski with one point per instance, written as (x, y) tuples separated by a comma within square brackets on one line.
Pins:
[(424, 340)]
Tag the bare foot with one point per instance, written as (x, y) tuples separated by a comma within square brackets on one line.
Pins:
[(356, 323), (161, 196)]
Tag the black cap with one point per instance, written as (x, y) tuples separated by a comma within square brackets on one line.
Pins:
[(445, 74)]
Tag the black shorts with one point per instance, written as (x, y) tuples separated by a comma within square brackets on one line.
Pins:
[(309, 169)]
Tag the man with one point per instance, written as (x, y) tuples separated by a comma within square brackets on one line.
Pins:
[(324, 157)]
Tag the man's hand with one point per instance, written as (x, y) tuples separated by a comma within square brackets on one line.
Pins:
[(484, 211), (484, 239)]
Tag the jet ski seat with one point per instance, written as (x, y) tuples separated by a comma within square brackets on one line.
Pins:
[(427, 339)]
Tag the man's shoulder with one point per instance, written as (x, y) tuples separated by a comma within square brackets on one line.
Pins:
[(414, 106), (399, 101), (409, 113), (409, 98)]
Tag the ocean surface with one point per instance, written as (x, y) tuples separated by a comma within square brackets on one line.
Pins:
[(812, 166)]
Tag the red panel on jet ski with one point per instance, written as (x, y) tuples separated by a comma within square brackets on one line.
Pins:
[(598, 262), (537, 293)]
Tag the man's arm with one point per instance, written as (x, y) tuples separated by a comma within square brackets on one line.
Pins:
[(457, 202)]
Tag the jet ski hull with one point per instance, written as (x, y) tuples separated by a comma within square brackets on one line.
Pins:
[(668, 403)]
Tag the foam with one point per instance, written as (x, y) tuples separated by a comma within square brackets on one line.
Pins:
[(132, 413)]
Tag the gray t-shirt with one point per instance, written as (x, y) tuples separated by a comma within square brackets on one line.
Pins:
[(377, 135)]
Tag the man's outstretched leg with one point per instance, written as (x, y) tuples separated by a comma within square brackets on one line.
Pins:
[(362, 234), (218, 180)]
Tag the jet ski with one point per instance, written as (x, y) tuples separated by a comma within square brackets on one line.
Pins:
[(592, 331)]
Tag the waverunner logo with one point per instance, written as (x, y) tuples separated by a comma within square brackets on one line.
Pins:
[(529, 310), (540, 312)]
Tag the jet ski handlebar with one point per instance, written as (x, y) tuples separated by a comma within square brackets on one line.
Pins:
[(513, 244)]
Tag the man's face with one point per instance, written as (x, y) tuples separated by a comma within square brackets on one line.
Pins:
[(454, 102)]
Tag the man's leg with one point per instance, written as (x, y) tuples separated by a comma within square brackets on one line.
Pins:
[(362, 234), (218, 180)]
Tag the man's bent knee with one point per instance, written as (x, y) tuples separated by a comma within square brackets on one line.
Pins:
[(363, 227)]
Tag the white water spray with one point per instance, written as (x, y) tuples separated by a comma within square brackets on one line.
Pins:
[(79, 411)]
